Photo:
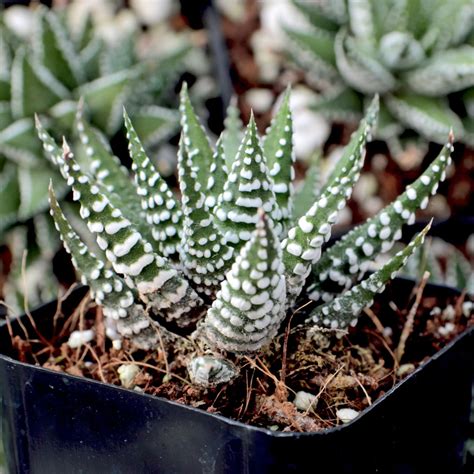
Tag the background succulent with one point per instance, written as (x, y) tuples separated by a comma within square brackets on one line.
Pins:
[(229, 255), (47, 73), (447, 264), (418, 55)]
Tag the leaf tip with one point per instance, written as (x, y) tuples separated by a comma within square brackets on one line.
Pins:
[(451, 136), (67, 153)]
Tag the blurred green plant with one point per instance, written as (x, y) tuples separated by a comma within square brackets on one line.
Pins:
[(447, 265), (47, 74), (413, 53)]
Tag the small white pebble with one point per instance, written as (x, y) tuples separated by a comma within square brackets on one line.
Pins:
[(127, 373), (304, 400), (347, 414), (79, 338)]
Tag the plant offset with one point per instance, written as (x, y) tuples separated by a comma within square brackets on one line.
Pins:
[(228, 260), (413, 53)]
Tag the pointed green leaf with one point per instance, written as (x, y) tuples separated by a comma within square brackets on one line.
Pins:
[(218, 174), (233, 132), (90, 57), (105, 98), (108, 289), (195, 138), (333, 10), (314, 52), (251, 303), (51, 150), (34, 88), (18, 142), (64, 114), (356, 147), (279, 152), (302, 247), (316, 15), (162, 210), (85, 33), (423, 260), (33, 183), (343, 105), (119, 57), (55, 50), (110, 174), (155, 124), (247, 188), (459, 271), (157, 282), (204, 252), (348, 258), (360, 69), (345, 309), (9, 195)]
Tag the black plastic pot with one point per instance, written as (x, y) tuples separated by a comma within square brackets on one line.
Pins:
[(57, 423)]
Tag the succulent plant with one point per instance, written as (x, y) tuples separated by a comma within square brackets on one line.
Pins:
[(47, 75), (228, 257), (412, 53)]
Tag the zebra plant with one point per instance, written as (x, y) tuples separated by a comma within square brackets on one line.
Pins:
[(228, 258), (47, 75), (412, 53)]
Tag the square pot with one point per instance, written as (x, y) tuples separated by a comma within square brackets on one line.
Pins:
[(59, 423)]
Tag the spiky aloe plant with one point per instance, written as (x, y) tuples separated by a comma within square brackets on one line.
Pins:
[(230, 256), (47, 75), (412, 53)]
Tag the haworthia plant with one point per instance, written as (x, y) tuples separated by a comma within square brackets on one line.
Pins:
[(231, 265), (413, 53), (47, 75)]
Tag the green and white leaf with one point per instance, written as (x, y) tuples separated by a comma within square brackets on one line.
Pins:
[(248, 188), (279, 151), (233, 132), (250, 305), (345, 309), (302, 248), (158, 284), (161, 209), (204, 252), (348, 259), (107, 288)]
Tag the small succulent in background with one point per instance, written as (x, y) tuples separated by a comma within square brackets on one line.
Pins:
[(412, 53), (230, 255), (46, 74), (447, 265)]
